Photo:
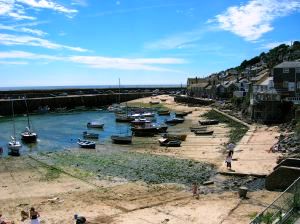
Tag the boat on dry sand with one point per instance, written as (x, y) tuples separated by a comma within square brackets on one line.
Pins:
[(169, 143), (209, 122)]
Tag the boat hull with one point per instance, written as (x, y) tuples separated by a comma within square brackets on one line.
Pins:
[(204, 132), (29, 138), (121, 139), (14, 148), (209, 122)]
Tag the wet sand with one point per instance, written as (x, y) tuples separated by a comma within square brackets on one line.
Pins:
[(25, 183)]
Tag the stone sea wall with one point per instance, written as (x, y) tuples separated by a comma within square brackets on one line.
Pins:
[(70, 102)]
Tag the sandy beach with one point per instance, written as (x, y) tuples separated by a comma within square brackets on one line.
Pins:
[(26, 182)]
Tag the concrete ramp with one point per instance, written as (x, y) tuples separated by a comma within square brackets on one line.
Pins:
[(284, 174)]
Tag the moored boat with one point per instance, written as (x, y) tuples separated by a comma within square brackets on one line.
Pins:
[(28, 136), (203, 132), (140, 121), (14, 147), (209, 122), (174, 120), (86, 144), (169, 143), (198, 128), (154, 102), (95, 124), (121, 139), (181, 137), (86, 134), (182, 114), (163, 112)]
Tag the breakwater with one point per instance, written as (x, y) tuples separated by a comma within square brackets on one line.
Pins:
[(69, 101)]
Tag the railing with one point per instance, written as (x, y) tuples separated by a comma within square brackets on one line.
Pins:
[(282, 208)]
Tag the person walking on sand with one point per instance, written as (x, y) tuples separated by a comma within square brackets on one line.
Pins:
[(195, 189), (34, 215), (228, 161), (230, 148)]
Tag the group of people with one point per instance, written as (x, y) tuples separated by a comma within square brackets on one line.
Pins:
[(34, 217)]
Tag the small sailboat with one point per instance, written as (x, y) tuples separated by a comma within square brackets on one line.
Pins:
[(14, 145), (28, 136)]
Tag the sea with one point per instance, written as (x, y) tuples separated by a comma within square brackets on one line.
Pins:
[(60, 131), (89, 87)]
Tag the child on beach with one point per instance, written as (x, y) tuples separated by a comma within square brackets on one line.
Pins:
[(228, 161)]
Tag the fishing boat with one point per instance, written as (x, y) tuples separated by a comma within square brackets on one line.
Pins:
[(121, 139), (95, 124), (86, 134), (169, 143), (203, 132), (181, 137), (140, 133), (198, 128), (174, 120), (148, 114), (163, 112), (28, 136), (154, 102), (140, 121), (209, 122), (123, 118), (182, 114), (14, 145), (86, 144), (161, 128)]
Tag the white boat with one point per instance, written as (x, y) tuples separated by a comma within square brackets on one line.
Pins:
[(14, 145), (95, 124), (28, 136), (148, 114), (86, 144)]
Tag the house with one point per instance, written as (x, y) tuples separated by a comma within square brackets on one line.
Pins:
[(198, 89), (286, 78), (225, 89)]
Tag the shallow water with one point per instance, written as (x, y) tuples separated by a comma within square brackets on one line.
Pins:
[(58, 132)]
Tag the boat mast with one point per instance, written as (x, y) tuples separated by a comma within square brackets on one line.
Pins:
[(119, 91), (13, 117), (28, 122)]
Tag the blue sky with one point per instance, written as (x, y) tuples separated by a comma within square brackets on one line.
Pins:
[(95, 42)]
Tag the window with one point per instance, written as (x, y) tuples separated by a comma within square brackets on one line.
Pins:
[(285, 84), (286, 70), (298, 85), (297, 70), (291, 86)]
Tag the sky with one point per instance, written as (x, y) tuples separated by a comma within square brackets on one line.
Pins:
[(96, 42)]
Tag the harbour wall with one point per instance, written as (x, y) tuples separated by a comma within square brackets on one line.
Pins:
[(70, 102)]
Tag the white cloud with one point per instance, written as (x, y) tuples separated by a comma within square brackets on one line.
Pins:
[(27, 55), (9, 39), (178, 41), (22, 29), (145, 64), (47, 4), (271, 45), (80, 2), (126, 63), (13, 63), (255, 18), (15, 8)]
